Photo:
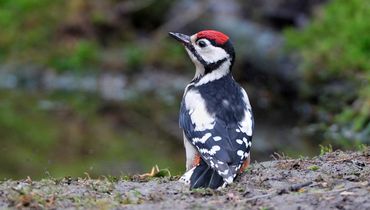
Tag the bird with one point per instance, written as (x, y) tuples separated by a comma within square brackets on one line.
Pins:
[(215, 113)]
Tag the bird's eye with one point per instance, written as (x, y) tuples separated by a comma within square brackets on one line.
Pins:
[(202, 44)]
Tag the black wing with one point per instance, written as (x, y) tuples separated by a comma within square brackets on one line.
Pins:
[(224, 147)]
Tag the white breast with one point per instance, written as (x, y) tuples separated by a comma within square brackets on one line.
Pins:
[(199, 115)]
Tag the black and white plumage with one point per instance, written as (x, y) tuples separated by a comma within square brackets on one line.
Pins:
[(215, 114)]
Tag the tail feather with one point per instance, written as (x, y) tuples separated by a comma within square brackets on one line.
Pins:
[(216, 180), (204, 176)]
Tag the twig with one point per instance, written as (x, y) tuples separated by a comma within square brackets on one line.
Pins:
[(333, 191), (340, 160), (296, 187), (259, 196)]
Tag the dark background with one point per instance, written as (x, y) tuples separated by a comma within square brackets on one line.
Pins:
[(95, 85)]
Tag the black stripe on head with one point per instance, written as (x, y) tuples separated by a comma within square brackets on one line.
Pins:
[(195, 53), (227, 46), (208, 68)]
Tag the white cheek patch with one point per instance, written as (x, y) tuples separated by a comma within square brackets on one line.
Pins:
[(209, 53), (192, 57), (198, 66), (199, 115), (212, 54)]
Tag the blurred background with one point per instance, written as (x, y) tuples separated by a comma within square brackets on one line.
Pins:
[(95, 85)]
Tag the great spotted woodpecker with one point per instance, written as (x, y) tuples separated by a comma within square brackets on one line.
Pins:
[(215, 114)]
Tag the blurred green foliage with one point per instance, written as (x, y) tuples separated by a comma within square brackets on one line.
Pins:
[(80, 35), (69, 134), (29, 33), (26, 28), (83, 57), (335, 49), (66, 133)]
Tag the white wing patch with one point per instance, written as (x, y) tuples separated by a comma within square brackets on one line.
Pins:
[(240, 153), (217, 138), (224, 172), (245, 140), (245, 125), (212, 151), (203, 139), (199, 115)]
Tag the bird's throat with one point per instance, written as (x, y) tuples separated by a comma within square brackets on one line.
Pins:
[(212, 72)]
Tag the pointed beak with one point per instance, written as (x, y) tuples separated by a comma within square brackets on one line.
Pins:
[(185, 39)]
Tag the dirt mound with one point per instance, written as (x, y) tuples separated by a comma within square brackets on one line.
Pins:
[(339, 180)]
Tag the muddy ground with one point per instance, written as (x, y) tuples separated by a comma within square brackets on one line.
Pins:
[(336, 180)]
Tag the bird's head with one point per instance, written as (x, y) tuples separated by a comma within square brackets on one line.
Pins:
[(209, 50)]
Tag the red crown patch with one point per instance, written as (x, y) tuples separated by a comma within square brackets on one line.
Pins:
[(218, 37)]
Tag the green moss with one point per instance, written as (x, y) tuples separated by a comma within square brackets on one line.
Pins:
[(82, 56), (325, 149), (26, 27), (70, 137), (313, 167), (134, 56), (84, 36), (336, 68)]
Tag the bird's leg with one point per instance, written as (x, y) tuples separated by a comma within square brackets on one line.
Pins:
[(245, 164)]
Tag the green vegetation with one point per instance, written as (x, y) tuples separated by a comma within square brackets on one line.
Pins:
[(70, 36), (64, 133), (335, 50), (325, 149), (32, 33), (23, 28), (313, 167), (67, 134)]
